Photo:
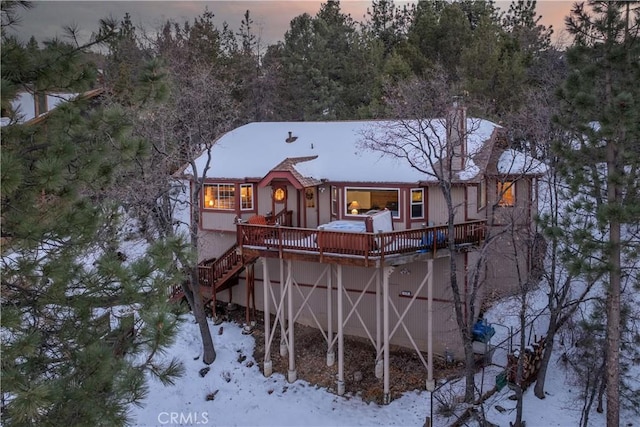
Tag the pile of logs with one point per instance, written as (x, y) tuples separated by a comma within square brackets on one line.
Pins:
[(530, 364)]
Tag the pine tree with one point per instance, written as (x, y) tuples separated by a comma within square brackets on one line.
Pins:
[(600, 110), (440, 31), (307, 91), (249, 88), (388, 23), (82, 321), (493, 68), (126, 59), (328, 70)]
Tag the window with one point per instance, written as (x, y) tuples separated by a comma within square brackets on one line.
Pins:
[(334, 201), (506, 193), (534, 192), (482, 194), (417, 198), (41, 103), (219, 196), (360, 200), (246, 197), (279, 194)]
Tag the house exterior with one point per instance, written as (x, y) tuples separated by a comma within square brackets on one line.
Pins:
[(327, 232)]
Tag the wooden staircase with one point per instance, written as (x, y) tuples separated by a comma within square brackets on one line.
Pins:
[(216, 274)]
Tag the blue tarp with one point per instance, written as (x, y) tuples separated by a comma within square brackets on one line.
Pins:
[(427, 240), (483, 331)]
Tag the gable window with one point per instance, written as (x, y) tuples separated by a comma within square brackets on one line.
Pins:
[(246, 197), (359, 201), (219, 196), (506, 193), (417, 199)]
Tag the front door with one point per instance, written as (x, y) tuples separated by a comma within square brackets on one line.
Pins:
[(309, 207)]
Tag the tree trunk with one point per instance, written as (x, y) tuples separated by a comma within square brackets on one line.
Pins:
[(601, 390), (538, 390), (520, 367), (209, 352), (470, 371), (613, 296), (613, 330), (464, 317)]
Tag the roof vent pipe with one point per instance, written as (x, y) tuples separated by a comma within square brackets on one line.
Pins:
[(291, 138)]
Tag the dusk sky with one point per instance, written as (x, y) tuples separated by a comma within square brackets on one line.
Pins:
[(271, 17)]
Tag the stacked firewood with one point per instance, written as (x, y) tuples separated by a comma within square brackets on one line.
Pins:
[(530, 364)]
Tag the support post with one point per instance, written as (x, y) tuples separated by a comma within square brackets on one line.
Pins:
[(292, 374), (268, 365), (430, 382), (283, 331), (378, 368), (385, 325), (340, 386), (250, 290), (331, 355)]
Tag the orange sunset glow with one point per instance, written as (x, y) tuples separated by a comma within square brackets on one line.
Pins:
[(271, 18)]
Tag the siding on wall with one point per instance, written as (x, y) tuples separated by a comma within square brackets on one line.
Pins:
[(223, 221), (324, 204), (472, 204), (503, 277), (437, 207), (214, 243), (438, 210), (263, 198)]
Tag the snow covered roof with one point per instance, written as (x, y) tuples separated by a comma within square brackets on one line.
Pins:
[(512, 162), (333, 151)]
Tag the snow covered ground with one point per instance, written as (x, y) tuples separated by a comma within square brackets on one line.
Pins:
[(239, 395)]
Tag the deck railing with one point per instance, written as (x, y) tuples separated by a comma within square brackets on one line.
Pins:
[(211, 270), (284, 217), (367, 245)]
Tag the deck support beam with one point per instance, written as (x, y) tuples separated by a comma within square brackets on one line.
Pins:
[(385, 307), (283, 331), (331, 355), (292, 374), (430, 385), (378, 368), (386, 398), (250, 295), (268, 365), (340, 385)]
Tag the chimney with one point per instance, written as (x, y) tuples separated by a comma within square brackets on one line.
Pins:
[(457, 134)]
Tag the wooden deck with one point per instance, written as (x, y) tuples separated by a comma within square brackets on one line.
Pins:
[(361, 249), (332, 247)]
